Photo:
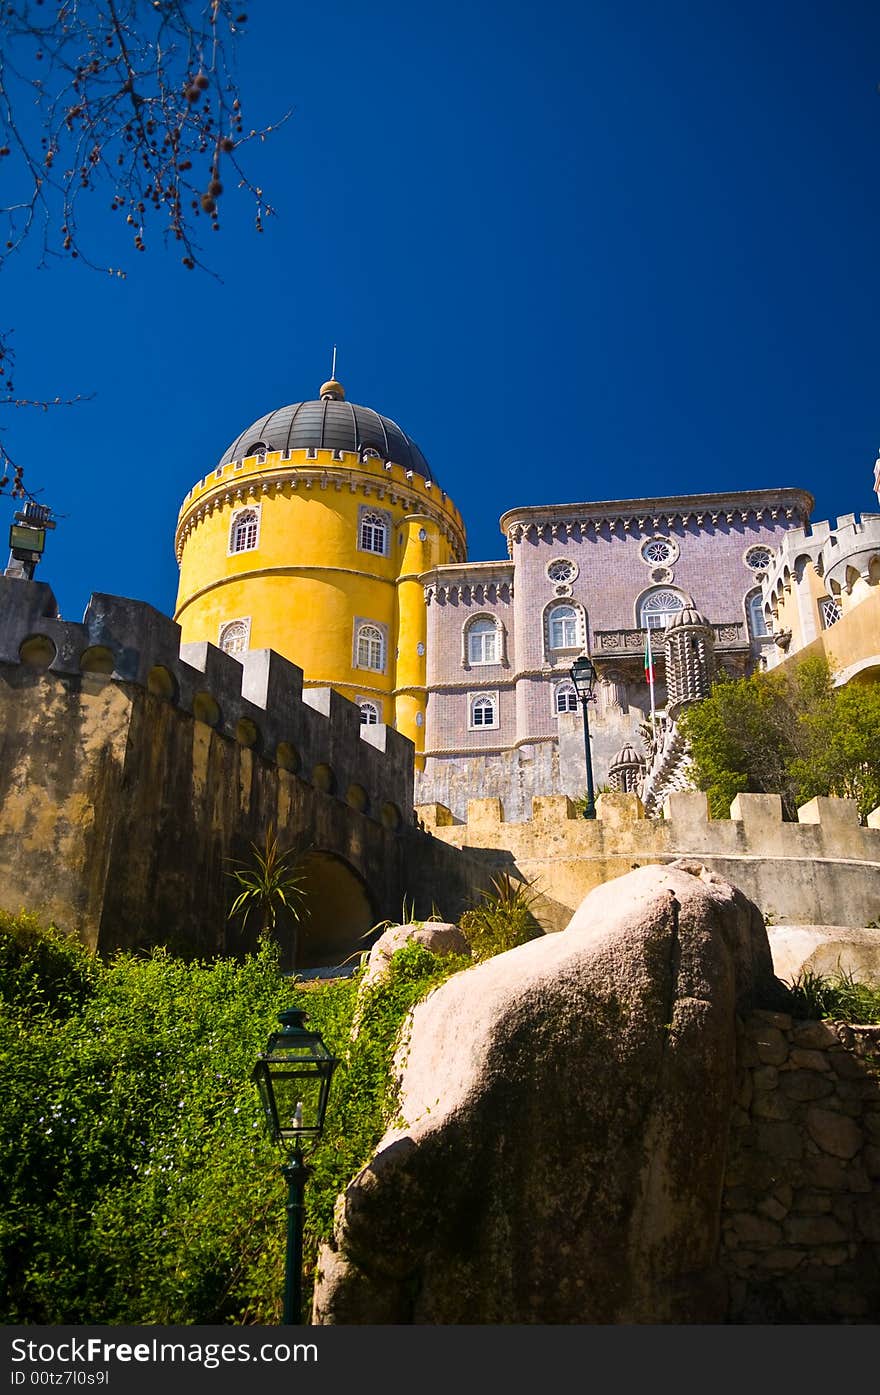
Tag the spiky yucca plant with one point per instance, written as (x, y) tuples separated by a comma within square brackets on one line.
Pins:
[(272, 883)]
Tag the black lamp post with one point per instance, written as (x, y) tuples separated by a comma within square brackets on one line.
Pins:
[(583, 676), (293, 1076)]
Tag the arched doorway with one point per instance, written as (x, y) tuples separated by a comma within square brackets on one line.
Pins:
[(340, 912)]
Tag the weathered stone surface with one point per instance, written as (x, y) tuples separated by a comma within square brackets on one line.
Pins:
[(813, 1202), (816, 1035), (802, 1059), (769, 1018), (755, 1230), (771, 1045), (778, 1140), (867, 1210), (835, 1133), (781, 1260), (771, 1106), (803, 1085), (614, 1217), (772, 1208), (871, 1159), (813, 1230), (847, 1066), (765, 1078)]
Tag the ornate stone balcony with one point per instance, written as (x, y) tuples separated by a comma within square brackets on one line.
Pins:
[(729, 635)]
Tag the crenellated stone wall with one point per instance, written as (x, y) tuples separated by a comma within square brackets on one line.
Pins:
[(130, 773), (823, 870), (800, 1226)]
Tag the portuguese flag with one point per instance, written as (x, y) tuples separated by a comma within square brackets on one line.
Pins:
[(649, 659)]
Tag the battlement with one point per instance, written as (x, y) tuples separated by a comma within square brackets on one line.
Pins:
[(852, 552), (824, 869), (365, 472), (257, 701)]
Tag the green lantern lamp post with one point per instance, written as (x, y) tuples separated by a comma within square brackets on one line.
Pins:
[(293, 1076), (583, 676)]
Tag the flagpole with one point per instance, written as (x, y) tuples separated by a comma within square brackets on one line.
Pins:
[(649, 665)]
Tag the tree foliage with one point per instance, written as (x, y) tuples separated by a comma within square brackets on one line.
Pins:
[(787, 732)]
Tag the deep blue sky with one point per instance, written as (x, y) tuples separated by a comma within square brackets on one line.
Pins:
[(577, 251)]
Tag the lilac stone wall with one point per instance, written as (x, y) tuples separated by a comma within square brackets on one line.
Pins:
[(611, 578)]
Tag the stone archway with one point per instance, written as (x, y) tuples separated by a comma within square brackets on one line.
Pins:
[(340, 911)]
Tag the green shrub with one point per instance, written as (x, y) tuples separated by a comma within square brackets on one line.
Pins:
[(502, 919), (836, 996), (137, 1181), (40, 966)]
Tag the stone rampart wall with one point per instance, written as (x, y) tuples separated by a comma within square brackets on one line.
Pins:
[(823, 870), (800, 1226), (130, 775), (257, 700)]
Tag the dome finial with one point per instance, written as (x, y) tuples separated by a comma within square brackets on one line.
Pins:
[(332, 391)]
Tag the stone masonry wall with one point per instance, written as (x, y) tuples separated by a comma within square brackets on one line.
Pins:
[(800, 1223)]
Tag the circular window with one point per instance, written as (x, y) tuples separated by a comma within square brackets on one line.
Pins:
[(758, 558), (562, 570), (658, 551)]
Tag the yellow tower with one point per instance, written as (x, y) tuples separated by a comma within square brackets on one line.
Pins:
[(309, 538)]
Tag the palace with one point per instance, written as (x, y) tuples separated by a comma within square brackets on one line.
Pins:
[(323, 533)]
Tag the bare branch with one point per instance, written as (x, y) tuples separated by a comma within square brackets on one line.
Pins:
[(138, 98)]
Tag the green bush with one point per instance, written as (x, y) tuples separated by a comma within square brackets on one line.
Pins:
[(836, 996), (502, 919), (137, 1181)]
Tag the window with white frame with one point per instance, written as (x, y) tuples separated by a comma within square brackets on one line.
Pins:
[(658, 608), (482, 641), (830, 611), (563, 627), (755, 608), (565, 698), (234, 636), (244, 531), (483, 711), (369, 713), (373, 531), (370, 647)]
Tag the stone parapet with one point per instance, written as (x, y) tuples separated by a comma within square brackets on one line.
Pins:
[(825, 869), (257, 700)]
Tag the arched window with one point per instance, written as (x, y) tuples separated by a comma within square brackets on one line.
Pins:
[(234, 636), (482, 641), (757, 623), (374, 533), (563, 627), (369, 714), (371, 648), (484, 711), (657, 609), (565, 698), (244, 531)]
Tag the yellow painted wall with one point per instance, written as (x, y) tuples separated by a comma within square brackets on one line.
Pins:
[(852, 645), (307, 581)]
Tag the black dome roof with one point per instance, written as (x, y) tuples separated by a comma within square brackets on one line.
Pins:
[(329, 424)]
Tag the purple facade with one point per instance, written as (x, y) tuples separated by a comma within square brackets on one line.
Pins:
[(502, 635)]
